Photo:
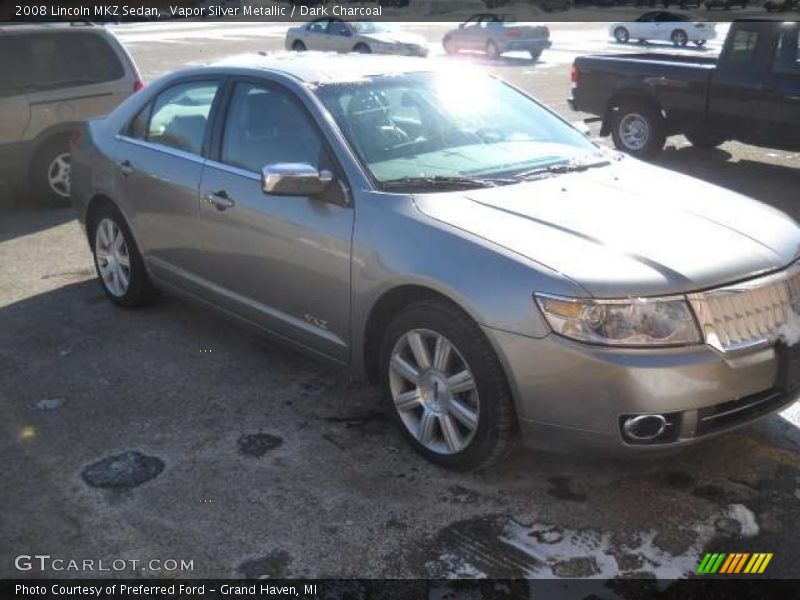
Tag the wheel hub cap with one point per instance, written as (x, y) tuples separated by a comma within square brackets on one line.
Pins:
[(58, 175), (634, 131), (111, 254), (434, 391)]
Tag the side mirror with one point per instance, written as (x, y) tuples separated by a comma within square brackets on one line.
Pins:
[(294, 179)]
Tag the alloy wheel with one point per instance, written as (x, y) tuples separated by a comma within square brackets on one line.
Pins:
[(634, 131), (58, 175), (434, 391), (113, 260)]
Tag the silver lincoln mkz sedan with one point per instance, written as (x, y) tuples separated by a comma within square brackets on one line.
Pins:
[(445, 234)]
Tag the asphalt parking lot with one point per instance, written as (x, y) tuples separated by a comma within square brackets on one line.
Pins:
[(257, 461)]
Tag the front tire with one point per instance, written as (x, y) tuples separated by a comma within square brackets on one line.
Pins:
[(638, 129), (117, 261), (492, 50), (362, 49), (446, 388), (449, 46), (299, 46), (621, 35)]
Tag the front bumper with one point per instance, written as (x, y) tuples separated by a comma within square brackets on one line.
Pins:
[(571, 395)]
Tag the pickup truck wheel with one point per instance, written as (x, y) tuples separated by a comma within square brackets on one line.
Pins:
[(704, 139), (621, 35), (638, 129), (679, 38), (446, 388)]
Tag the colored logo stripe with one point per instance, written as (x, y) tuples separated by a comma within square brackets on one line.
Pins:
[(721, 562)]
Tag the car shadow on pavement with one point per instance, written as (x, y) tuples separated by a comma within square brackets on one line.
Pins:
[(772, 184), (230, 416), (15, 223)]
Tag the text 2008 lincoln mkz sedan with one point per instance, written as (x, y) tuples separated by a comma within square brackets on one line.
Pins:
[(447, 235)]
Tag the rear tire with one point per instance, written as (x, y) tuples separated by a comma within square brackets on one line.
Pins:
[(679, 38), (362, 49), (449, 46), (638, 129), (700, 43), (622, 35), (481, 412), (299, 46), (535, 55), (49, 177), (492, 50), (118, 263)]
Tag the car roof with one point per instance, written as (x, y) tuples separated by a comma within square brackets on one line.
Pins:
[(327, 67), (35, 27)]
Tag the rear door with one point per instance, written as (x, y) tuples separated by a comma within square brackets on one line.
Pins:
[(737, 87), (159, 163), (280, 261), (340, 36), (781, 101)]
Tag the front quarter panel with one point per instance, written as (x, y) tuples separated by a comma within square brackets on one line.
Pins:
[(395, 245)]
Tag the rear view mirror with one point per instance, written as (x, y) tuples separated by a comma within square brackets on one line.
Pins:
[(294, 179)]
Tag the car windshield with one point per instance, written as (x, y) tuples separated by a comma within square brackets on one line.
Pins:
[(446, 127), (365, 27)]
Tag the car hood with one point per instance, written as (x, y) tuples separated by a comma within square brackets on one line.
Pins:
[(628, 229), (395, 37)]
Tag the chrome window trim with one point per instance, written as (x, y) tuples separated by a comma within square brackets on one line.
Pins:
[(161, 148), (234, 170)]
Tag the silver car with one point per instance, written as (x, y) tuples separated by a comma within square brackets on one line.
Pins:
[(365, 37), (446, 235), (52, 77), (495, 34)]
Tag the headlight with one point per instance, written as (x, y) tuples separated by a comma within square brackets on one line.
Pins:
[(633, 322)]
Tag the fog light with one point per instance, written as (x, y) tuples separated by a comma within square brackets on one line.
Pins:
[(645, 427)]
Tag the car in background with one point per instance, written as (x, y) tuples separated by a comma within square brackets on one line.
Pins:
[(664, 26), (52, 77), (495, 34), (781, 5), (725, 4), (366, 37)]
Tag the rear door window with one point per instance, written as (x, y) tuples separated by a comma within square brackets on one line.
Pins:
[(180, 116), (787, 57), (51, 61), (742, 49)]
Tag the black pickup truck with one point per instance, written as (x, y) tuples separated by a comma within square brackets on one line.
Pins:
[(750, 94)]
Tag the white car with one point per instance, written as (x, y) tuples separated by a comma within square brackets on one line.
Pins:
[(664, 26), (332, 34)]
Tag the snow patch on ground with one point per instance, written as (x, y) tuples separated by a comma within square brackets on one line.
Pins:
[(745, 517)]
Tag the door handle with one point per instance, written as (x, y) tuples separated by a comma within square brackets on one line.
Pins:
[(125, 167), (220, 200)]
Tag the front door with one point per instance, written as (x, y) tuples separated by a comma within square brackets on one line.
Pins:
[(280, 261)]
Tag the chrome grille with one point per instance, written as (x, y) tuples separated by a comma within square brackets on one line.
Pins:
[(750, 313)]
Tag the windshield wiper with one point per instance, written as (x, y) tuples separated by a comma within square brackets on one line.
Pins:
[(570, 166), (444, 182)]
